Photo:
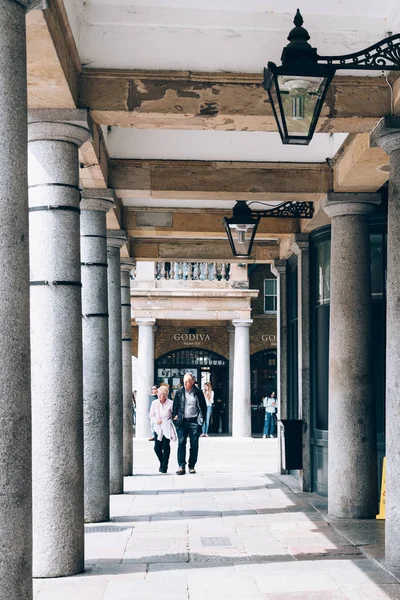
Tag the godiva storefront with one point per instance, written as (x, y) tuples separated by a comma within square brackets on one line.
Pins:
[(206, 351)]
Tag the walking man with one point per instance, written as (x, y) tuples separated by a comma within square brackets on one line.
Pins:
[(188, 413)]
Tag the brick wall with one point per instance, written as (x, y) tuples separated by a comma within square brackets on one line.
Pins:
[(171, 336), (257, 274), (210, 336), (263, 333)]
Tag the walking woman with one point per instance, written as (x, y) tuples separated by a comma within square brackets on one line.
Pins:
[(209, 396), (164, 430)]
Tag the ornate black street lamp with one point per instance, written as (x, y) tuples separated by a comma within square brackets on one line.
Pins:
[(297, 89), (242, 226)]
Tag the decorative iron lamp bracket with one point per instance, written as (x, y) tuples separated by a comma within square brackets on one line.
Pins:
[(297, 89), (293, 210), (382, 56)]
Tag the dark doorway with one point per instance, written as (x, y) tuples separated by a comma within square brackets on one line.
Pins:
[(263, 367), (204, 366)]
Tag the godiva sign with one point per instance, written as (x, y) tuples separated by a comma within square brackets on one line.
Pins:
[(268, 338), (191, 337)]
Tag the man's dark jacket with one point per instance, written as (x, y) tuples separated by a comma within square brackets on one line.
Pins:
[(179, 405)]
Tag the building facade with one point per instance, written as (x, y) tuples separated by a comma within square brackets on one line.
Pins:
[(201, 337)]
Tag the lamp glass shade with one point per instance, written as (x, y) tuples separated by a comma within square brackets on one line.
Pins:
[(297, 93), (241, 237)]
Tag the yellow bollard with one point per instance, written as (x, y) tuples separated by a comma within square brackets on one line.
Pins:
[(382, 504)]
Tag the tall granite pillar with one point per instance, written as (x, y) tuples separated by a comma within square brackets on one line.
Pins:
[(387, 135), (115, 240), (15, 395), (279, 269), (127, 265), (231, 331), (352, 473), (146, 375), (300, 246), (56, 340), (95, 204), (241, 423)]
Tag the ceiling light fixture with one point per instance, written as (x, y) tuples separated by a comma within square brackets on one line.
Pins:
[(297, 89), (241, 228)]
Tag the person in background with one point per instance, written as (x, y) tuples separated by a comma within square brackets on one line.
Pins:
[(269, 404), (153, 396), (134, 407), (164, 430), (188, 414), (219, 408), (209, 397)]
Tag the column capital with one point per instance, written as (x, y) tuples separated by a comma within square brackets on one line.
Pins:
[(65, 125), (127, 264), (97, 199), (342, 204), (242, 322), (300, 243), (387, 134), (146, 321), (116, 238), (278, 267)]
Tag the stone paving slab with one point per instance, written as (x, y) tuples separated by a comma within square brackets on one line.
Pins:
[(372, 592)]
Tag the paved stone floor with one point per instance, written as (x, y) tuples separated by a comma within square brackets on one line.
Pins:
[(233, 530)]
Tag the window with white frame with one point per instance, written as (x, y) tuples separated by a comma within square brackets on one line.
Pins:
[(270, 296)]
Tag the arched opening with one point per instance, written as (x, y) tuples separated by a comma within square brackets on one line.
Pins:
[(263, 367), (204, 366)]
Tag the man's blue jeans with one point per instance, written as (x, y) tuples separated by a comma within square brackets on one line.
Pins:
[(193, 431), (269, 424)]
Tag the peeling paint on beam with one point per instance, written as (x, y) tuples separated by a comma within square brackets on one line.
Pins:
[(228, 101)]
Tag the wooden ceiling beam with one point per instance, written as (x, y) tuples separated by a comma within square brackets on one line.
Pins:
[(359, 167), (191, 223), (198, 251), (225, 101), (212, 179)]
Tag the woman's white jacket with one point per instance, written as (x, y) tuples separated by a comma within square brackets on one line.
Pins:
[(163, 413)]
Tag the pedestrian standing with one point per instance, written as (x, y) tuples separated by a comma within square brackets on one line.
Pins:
[(269, 403), (209, 398)]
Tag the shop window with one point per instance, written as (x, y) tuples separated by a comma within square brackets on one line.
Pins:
[(324, 273), (270, 296), (378, 265)]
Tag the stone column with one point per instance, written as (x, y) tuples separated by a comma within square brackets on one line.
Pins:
[(15, 395), (387, 135), (56, 340), (352, 473), (301, 247), (127, 265), (115, 240), (231, 331), (279, 269), (241, 422), (146, 375), (95, 204)]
